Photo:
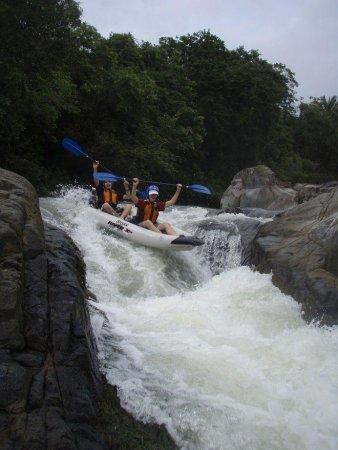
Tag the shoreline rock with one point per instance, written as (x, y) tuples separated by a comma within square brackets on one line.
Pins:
[(258, 187), (300, 247), (51, 390)]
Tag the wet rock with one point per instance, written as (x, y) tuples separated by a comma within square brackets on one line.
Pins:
[(14, 387), (50, 384), (228, 243), (48, 366), (248, 229), (258, 187), (221, 249), (300, 246)]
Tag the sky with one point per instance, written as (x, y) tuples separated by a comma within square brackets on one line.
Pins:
[(302, 34)]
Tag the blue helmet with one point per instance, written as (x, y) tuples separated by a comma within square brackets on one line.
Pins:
[(153, 189)]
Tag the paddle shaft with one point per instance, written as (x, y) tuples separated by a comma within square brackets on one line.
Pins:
[(71, 145)]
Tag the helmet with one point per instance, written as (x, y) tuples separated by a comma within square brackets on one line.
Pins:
[(153, 189)]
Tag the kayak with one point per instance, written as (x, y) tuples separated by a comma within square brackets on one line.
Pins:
[(148, 238)]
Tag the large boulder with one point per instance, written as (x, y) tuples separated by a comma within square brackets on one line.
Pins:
[(50, 381), (300, 247), (52, 394), (258, 187)]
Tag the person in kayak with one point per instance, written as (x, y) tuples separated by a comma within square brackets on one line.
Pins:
[(108, 198), (148, 210)]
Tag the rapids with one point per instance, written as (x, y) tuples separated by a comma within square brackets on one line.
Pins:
[(211, 349)]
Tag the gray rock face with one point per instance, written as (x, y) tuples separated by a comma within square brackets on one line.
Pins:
[(22, 252), (306, 191), (258, 187), (300, 246), (49, 373)]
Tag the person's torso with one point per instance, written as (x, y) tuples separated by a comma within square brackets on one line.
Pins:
[(107, 196), (149, 211)]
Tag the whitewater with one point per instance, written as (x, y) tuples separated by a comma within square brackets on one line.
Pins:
[(195, 341)]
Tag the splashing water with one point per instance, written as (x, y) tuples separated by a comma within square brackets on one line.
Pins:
[(224, 361)]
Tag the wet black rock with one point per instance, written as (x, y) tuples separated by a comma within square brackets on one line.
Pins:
[(49, 374), (50, 385)]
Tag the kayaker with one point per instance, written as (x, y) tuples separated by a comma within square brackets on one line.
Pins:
[(148, 210), (108, 198)]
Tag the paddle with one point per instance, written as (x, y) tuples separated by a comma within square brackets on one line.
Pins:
[(75, 149), (105, 176)]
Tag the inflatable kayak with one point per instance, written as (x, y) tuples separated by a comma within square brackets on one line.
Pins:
[(139, 235)]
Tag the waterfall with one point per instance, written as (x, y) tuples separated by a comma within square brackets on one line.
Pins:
[(222, 244)]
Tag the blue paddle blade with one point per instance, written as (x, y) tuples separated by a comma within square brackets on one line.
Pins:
[(106, 176), (73, 147), (200, 189)]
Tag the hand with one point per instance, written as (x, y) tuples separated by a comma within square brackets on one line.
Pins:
[(95, 164), (126, 183), (136, 181), (178, 187)]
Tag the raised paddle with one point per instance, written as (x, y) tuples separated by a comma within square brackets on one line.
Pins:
[(75, 149)]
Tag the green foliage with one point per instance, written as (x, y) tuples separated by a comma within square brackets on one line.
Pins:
[(317, 134), (187, 109)]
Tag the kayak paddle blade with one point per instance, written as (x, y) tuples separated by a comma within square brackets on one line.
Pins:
[(199, 189), (106, 176), (73, 147)]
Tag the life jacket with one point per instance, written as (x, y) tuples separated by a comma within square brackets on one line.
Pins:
[(148, 212), (110, 196)]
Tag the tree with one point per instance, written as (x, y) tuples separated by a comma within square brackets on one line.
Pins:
[(36, 42), (317, 134)]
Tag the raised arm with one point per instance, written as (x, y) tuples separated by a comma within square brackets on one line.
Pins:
[(126, 196), (174, 198), (95, 166), (133, 195)]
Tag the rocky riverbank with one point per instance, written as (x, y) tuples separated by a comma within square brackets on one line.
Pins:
[(299, 246), (52, 394)]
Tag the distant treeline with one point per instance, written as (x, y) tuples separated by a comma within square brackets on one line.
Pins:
[(184, 110)]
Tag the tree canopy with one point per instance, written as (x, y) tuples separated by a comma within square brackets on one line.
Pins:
[(187, 109)]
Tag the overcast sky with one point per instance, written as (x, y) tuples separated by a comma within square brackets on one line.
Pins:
[(302, 34)]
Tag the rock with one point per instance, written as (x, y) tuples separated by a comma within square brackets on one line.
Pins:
[(14, 387), (248, 229), (300, 246), (48, 364), (228, 243), (50, 385), (307, 191), (258, 187), (221, 249)]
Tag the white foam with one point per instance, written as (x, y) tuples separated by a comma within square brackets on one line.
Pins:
[(226, 362)]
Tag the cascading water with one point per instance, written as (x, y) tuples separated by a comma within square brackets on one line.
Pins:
[(222, 245), (225, 361)]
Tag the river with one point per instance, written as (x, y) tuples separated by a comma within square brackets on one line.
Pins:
[(209, 348)]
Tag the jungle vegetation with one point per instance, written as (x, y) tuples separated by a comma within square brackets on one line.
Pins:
[(186, 109)]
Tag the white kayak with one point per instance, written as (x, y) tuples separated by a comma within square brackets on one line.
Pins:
[(139, 235)]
